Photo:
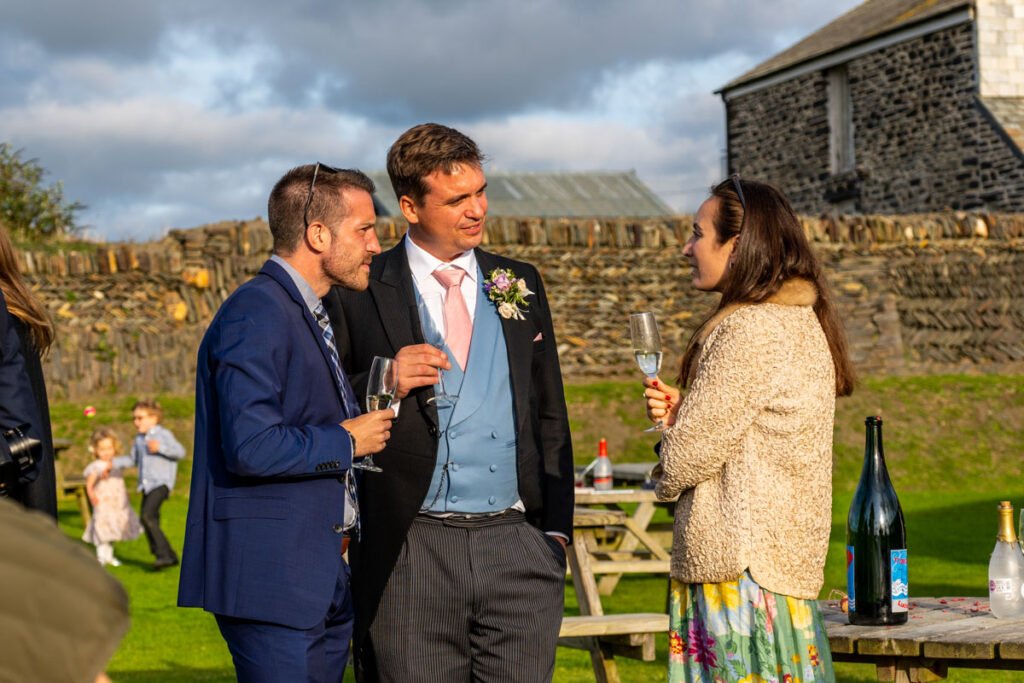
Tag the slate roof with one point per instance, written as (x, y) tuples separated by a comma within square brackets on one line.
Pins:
[(870, 20), (595, 193), (1009, 114)]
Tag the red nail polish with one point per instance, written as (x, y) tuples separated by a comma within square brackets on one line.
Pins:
[(655, 384)]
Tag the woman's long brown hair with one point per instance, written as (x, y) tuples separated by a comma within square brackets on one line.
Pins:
[(772, 249), (20, 301)]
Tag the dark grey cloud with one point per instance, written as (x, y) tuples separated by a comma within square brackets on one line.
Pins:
[(119, 28), (462, 60), (409, 60)]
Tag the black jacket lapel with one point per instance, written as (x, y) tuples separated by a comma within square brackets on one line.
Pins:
[(395, 297)]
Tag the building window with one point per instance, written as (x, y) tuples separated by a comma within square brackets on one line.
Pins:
[(840, 121)]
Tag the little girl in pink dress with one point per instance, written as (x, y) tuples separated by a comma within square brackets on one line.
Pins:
[(113, 518)]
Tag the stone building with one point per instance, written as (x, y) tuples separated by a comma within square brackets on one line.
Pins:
[(898, 106)]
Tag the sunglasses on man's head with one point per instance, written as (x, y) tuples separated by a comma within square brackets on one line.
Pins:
[(312, 185)]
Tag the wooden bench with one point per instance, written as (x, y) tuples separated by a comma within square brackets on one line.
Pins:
[(628, 635), (604, 635), (71, 485)]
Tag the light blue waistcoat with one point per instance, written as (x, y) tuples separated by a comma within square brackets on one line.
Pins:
[(476, 453)]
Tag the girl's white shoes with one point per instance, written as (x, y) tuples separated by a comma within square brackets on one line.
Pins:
[(105, 554)]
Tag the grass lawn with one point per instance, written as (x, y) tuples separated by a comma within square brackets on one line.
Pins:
[(953, 447)]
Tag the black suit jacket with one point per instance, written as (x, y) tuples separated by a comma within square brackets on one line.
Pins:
[(382, 320), (19, 407)]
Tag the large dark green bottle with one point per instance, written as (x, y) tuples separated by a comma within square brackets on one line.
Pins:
[(876, 542)]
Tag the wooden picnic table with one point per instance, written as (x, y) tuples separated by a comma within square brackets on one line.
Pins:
[(633, 551), (941, 633)]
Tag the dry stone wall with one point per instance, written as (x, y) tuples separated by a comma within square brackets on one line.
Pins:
[(918, 294)]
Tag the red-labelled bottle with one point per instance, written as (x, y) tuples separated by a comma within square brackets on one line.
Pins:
[(602, 468)]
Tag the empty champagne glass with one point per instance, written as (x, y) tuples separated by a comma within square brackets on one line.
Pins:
[(435, 330), (643, 329), (380, 391)]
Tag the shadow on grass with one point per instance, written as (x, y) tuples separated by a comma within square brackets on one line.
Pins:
[(173, 672)]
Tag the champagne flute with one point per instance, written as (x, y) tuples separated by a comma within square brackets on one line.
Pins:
[(380, 391), (435, 332), (643, 329)]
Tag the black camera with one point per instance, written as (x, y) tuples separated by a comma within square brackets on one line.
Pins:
[(19, 457)]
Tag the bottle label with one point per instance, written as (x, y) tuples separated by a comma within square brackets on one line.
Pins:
[(1002, 588), (852, 605), (900, 580)]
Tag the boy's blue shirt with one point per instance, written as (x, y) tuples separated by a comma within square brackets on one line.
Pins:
[(155, 469)]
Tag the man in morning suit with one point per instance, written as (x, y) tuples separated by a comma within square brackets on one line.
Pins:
[(460, 572), (277, 428)]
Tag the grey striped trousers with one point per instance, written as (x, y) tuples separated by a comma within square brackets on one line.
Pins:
[(477, 601)]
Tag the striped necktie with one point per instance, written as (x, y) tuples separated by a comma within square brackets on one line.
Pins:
[(351, 409), (347, 394)]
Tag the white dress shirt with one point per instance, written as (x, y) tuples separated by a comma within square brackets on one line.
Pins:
[(423, 265)]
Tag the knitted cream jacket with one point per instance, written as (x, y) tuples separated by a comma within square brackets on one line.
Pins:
[(750, 453)]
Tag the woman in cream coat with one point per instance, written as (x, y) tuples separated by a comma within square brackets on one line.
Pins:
[(748, 450)]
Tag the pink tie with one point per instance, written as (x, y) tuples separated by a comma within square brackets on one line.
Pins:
[(458, 326)]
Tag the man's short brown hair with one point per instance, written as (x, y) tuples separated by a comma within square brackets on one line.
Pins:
[(287, 212), (426, 148), (149, 406)]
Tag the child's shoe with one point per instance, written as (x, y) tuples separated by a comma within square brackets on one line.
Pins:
[(114, 562)]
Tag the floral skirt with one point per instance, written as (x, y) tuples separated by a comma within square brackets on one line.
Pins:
[(736, 632)]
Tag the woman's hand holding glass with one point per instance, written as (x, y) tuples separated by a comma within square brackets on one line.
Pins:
[(643, 331), (662, 401)]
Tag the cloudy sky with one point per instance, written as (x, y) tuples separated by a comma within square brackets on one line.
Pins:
[(173, 114)]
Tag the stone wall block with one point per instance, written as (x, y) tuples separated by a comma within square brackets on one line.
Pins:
[(945, 300)]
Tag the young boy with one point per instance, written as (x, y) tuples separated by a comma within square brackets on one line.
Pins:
[(156, 453)]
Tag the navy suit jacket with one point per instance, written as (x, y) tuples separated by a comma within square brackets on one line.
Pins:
[(263, 536), (17, 401)]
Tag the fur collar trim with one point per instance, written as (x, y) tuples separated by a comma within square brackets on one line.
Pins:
[(795, 292)]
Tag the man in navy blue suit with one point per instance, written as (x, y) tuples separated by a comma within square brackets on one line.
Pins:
[(277, 429)]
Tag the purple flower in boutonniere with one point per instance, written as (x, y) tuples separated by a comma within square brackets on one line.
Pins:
[(508, 292)]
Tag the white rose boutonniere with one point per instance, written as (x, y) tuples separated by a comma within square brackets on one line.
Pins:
[(508, 292)]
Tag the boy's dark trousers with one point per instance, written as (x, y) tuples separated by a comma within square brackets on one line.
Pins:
[(150, 513)]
